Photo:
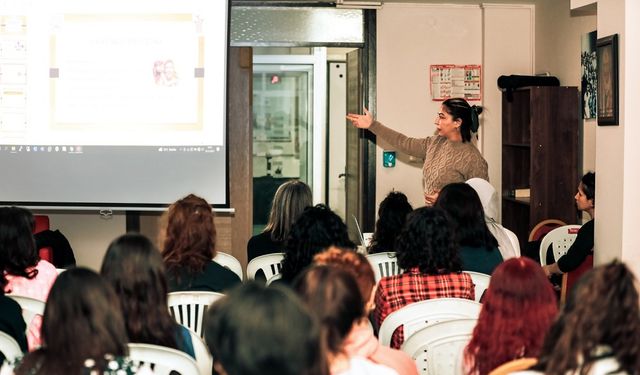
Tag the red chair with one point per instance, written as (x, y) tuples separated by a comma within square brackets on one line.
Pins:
[(41, 224), (570, 278)]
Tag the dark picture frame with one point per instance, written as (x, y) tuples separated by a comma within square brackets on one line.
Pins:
[(607, 52)]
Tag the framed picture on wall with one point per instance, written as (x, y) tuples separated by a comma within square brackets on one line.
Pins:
[(607, 51)]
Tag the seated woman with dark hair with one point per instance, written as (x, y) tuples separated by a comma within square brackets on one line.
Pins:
[(26, 274), (134, 268), (189, 246), (517, 311), (598, 330), (256, 330), (289, 202), (332, 294), (429, 258), (360, 341), (478, 248), (392, 215), (82, 327), (316, 229)]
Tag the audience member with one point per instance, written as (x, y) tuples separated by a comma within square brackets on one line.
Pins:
[(598, 330), (333, 295), (290, 200), (26, 274), (392, 215), (256, 330), (189, 246), (11, 321), (316, 229), (509, 247), (134, 268), (582, 247), (478, 248), (517, 311), (360, 341), (82, 327), (429, 258)]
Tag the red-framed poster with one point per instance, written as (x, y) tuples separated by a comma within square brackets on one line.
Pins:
[(456, 81)]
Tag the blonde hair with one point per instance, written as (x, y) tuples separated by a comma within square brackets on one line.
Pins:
[(290, 200)]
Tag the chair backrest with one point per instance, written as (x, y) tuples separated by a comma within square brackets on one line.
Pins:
[(41, 223), (30, 307), (418, 315), (544, 227), (230, 262), (203, 357), (274, 278), (9, 347), (560, 239), (188, 308), (163, 360), (481, 282), (519, 364), (438, 349), (270, 264), (384, 264)]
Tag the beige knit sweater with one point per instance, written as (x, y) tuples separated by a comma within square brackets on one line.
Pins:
[(445, 161)]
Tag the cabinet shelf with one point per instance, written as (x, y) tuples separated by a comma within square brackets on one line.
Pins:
[(531, 118)]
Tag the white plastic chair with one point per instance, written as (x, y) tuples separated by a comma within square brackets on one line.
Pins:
[(481, 282), (560, 239), (230, 262), (270, 264), (188, 308), (418, 315), (384, 264), (274, 278), (30, 307), (438, 349), (163, 360), (9, 347), (204, 360)]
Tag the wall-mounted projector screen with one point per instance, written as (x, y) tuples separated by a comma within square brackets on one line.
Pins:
[(112, 103)]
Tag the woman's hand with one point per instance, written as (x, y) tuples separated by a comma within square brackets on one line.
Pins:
[(430, 199), (361, 121)]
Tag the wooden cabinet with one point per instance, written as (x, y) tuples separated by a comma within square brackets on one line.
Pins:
[(540, 151)]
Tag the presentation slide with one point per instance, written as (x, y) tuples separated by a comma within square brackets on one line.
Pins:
[(113, 102)]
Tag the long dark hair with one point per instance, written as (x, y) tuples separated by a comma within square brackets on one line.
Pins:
[(459, 109), (426, 242), (18, 252), (316, 229), (267, 331), (134, 268), (332, 294), (602, 311), (588, 182), (289, 202), (392, 215), (82, 320), (189, 236), (465, 213)]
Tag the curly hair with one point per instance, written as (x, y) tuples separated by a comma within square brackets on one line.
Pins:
[(602, 311), (316, 229), (426, 242), (189, 237), (18, 252), (354, 263), (290, 200), (134, 268), (392, 215), (518, 308), (465, 213)]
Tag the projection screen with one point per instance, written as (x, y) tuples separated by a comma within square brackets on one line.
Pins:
[(113, 103)]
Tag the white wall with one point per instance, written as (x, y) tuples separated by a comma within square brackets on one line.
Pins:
[(617, 153), (413, 36)]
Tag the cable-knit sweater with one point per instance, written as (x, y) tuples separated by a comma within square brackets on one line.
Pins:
[(445, 162)]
